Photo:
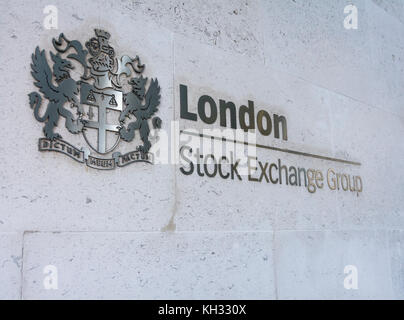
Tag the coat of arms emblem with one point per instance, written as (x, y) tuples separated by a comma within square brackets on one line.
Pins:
[(95, 105)]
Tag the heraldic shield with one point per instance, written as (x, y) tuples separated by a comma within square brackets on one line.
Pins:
[(100, 107), (105, 114)]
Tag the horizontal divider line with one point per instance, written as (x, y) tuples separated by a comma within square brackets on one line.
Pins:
[(299, 153)]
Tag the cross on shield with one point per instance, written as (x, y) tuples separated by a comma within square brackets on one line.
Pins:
[(105, 100)]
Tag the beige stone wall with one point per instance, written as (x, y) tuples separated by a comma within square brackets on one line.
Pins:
[(151, 232)]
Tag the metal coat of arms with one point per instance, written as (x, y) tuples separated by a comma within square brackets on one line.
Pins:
[(96, 102)]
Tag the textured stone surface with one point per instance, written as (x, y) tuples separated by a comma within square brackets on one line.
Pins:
[(10, 265), (302, 103), (396, 242), (380, 153), (151, 265), (310, 265), (393, 7), (312, 43), (151, 232), (42, 191), (229, 25)]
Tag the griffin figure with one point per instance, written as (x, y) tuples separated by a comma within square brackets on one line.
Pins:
[(142, 111), (64, 92)]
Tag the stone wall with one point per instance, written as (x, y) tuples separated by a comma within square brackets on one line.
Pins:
[(151, 232)]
